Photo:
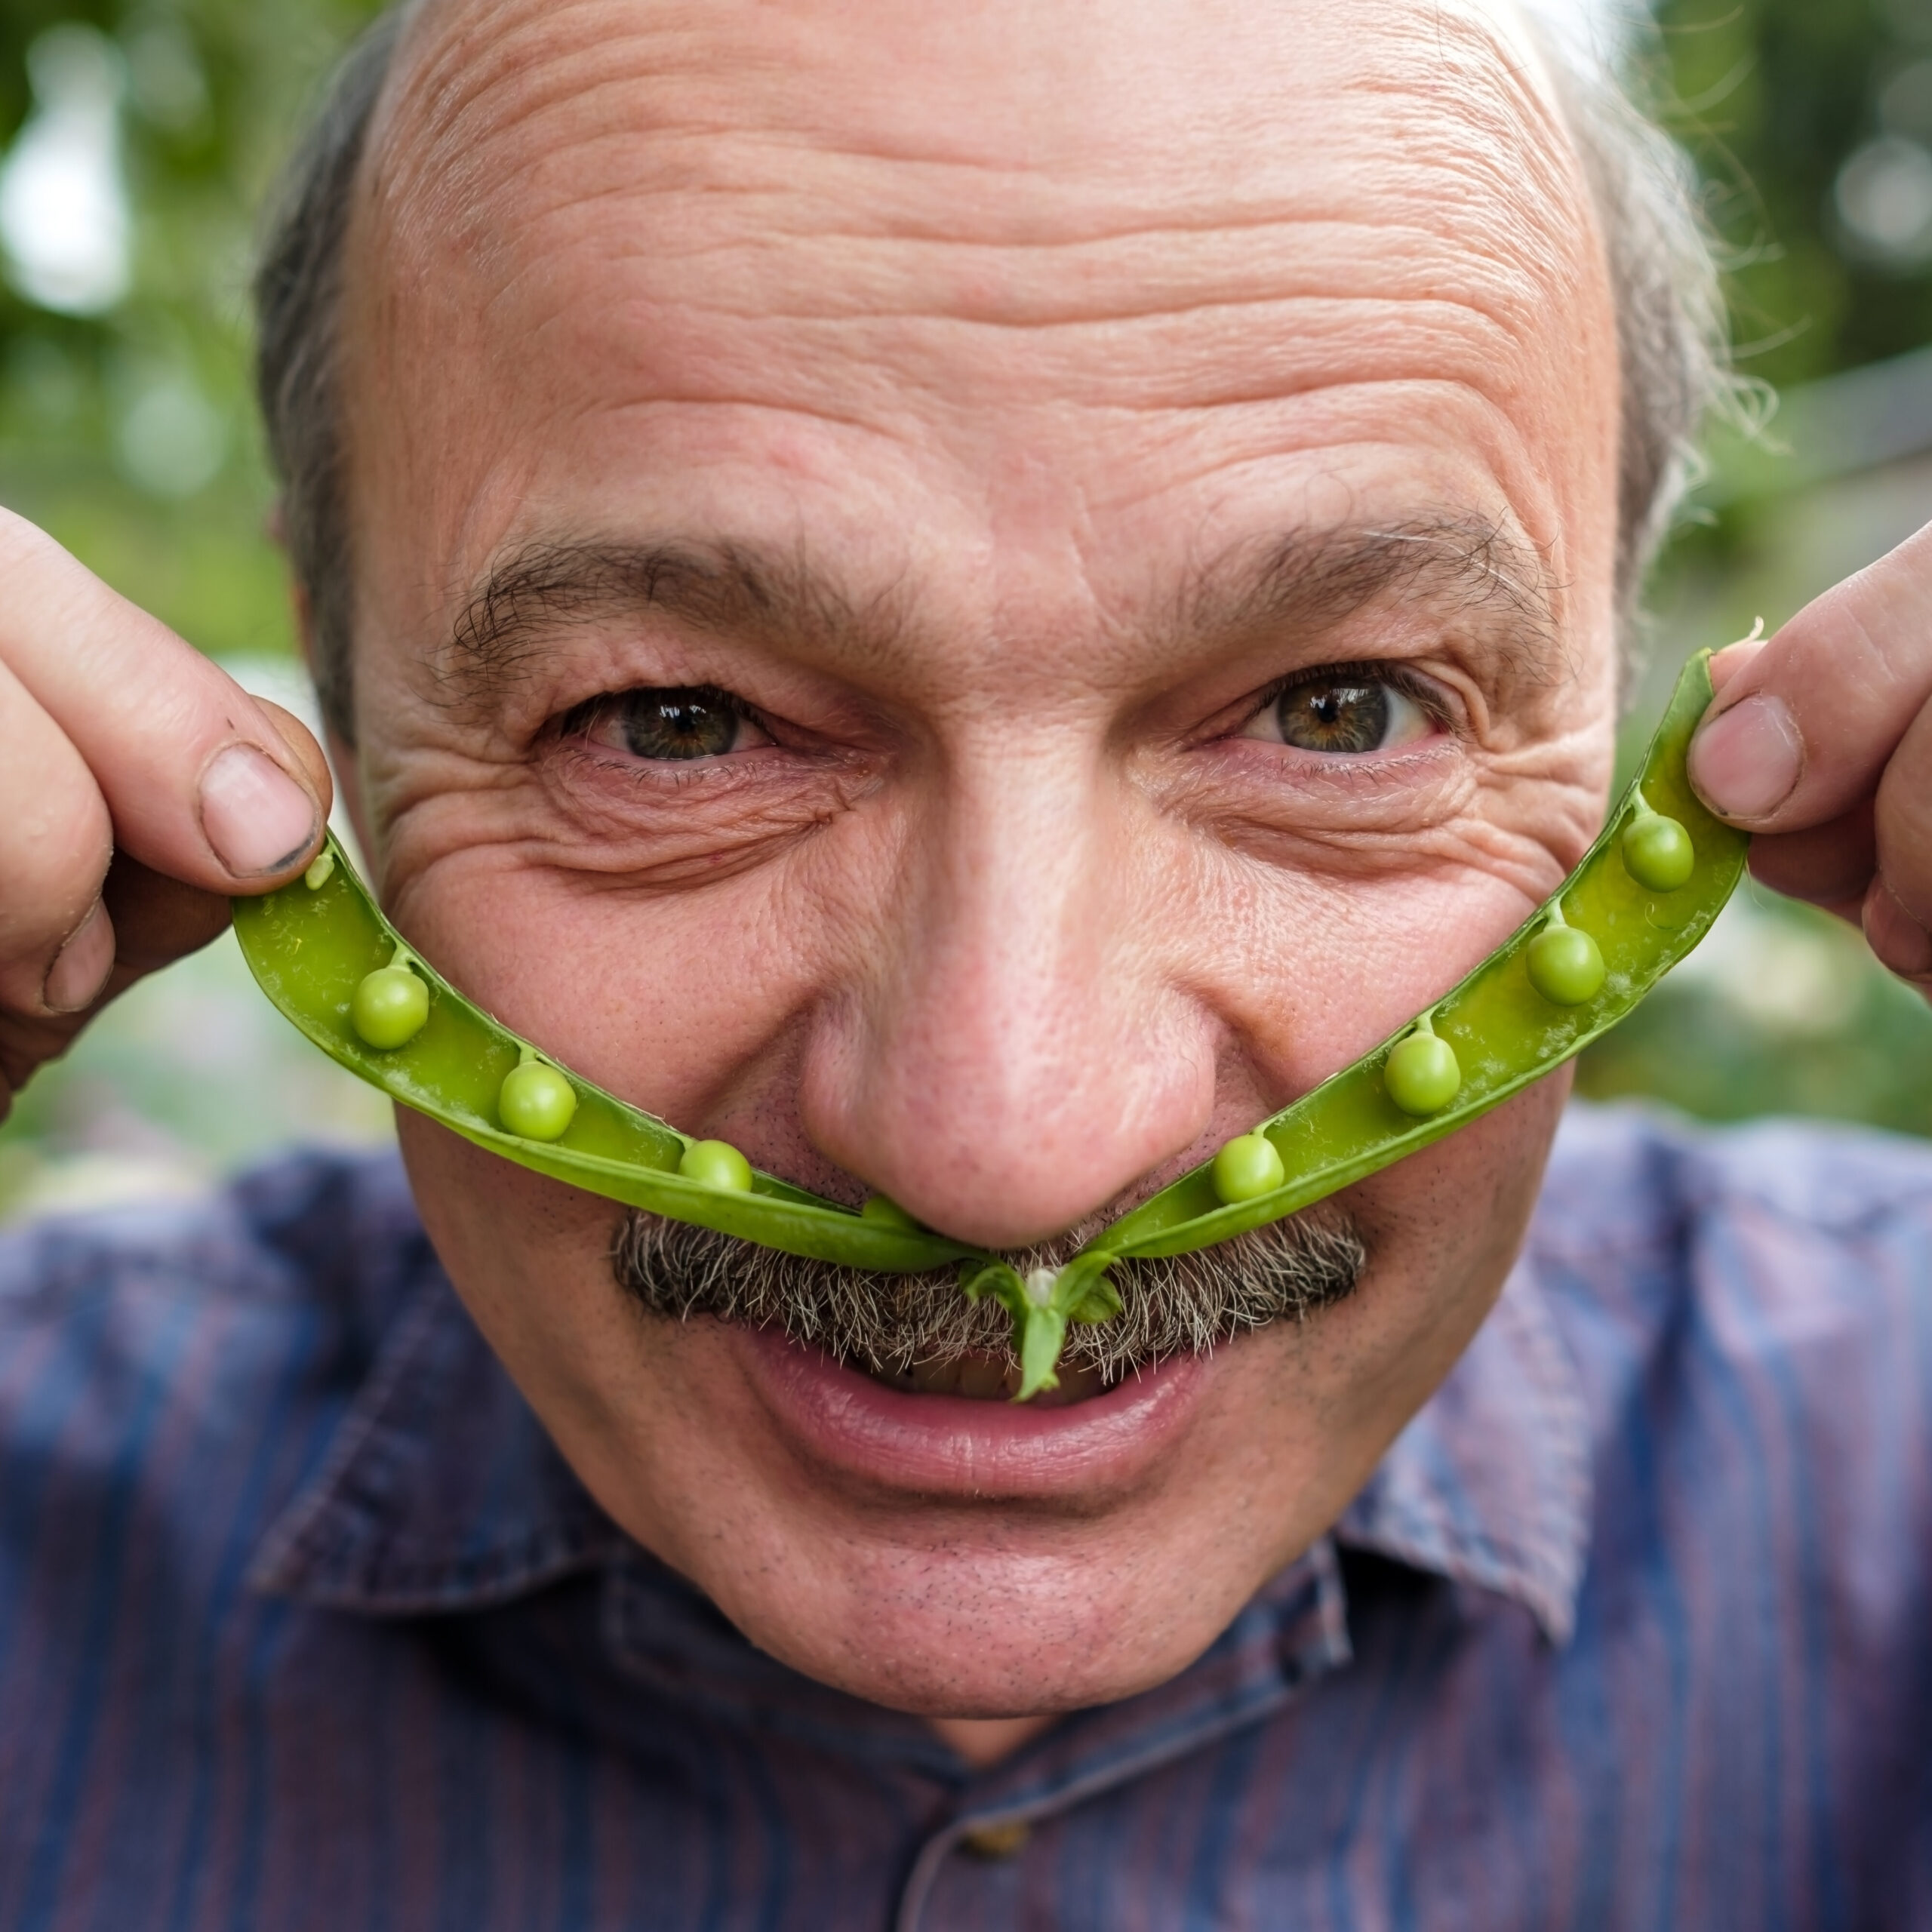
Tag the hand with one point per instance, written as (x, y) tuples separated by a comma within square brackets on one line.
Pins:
[(1820, 743), (140, 788)]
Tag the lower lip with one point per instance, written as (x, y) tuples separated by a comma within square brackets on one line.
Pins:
[(949, 1445)]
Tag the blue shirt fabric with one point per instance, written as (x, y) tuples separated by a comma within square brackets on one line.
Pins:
[(304, 1622)]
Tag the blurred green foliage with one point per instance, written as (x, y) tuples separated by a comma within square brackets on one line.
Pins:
[(1810, 123), (212, 91), (130, 434), (1774, 98)]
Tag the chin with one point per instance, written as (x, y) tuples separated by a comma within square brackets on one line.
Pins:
[(968, 1626), (956, 1556)]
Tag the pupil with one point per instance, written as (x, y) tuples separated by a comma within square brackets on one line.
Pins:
[(1334, 717), (680, 723)]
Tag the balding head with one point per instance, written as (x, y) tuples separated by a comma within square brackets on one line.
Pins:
[(1008, 211), (1668, 317)]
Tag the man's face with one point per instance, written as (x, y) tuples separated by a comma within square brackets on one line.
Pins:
[(972, 600)]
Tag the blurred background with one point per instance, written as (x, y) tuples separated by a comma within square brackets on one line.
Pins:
[(138, 137)]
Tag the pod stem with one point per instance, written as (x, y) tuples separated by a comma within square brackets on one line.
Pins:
[(406, 960), (1555, 912)]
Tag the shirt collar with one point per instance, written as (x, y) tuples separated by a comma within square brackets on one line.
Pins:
[(440, 1491), (1490, 1484)]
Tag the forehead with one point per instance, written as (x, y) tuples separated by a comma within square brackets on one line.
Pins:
[(1195, 208)]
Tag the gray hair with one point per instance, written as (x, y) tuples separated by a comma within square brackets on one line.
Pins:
[(1671, 327), (890, 1325)]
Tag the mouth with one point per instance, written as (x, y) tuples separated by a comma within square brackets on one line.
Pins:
[(944, 1432)]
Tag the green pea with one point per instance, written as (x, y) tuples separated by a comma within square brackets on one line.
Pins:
[(1657, 852), (305, 943), (1566, 966), (1248, 1165), (536, 1102), (1422, 1076), (882, 1209), (716, 1164), (388, 1006)]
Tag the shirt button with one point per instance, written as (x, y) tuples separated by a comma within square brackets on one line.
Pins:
[(998, 1841)]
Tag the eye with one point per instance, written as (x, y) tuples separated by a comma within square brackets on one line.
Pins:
[(1341, 712), (674, 725)]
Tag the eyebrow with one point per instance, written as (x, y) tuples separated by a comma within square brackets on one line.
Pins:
[(723, 589), (1459, 563), (1309, 580)]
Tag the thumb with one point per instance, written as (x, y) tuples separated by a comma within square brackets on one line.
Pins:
[(1804, 724), (303, 751)]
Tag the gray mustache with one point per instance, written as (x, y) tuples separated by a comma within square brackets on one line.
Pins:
[(887, 1324)]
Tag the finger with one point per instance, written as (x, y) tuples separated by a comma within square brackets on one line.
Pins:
[(300, 744), (142, 921), (1896, 939), (157, 920), (1729, 664), (1830, 865), (201, 782), (1898, 907), (55, 842), (1801, 733)]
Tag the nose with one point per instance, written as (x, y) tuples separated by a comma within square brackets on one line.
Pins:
[(1020, 1050)]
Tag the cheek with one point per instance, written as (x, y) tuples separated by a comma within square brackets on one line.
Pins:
[(529, 1258), (1443, 1229), (658, 1428)]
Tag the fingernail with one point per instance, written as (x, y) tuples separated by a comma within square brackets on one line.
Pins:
[(256, 817), (1746, 763), (1902, 945), (81, 966)]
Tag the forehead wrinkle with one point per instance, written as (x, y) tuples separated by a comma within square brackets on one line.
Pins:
[(679, 107), (1444, 276), (1526, 167), (692, 212)]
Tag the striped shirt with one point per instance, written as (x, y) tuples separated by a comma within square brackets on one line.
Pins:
[(304, 1622)]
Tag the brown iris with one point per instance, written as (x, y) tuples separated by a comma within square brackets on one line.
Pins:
[(1334, 715), (693, 722)]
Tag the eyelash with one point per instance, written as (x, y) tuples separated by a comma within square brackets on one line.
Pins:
[(609, 707), (615, 708)]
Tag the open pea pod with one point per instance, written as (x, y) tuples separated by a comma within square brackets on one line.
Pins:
[(312, 943), (1502, 1031), (1631, 915)]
